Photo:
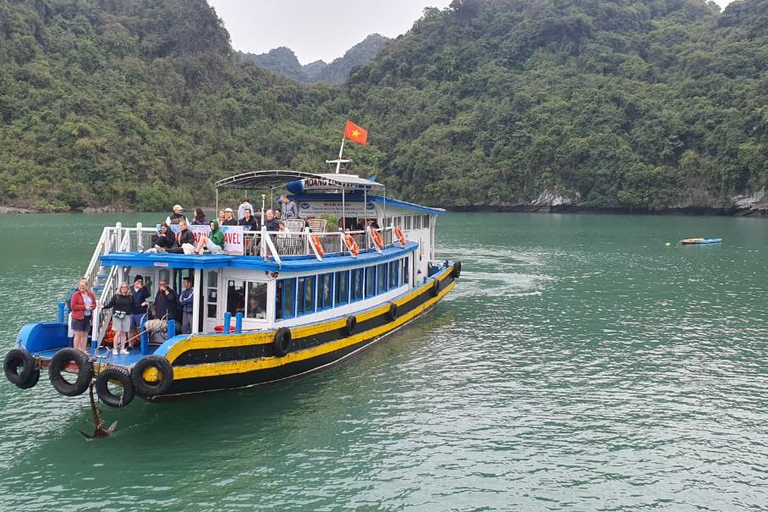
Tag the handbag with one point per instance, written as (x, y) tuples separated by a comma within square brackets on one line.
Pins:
[(119, 314)]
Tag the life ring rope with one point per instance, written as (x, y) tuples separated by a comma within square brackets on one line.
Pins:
[(400, 236), (349, 240), (317, 245), (377, 239)]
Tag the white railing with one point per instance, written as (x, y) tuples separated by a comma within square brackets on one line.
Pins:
[(103, 316), (278, 243)]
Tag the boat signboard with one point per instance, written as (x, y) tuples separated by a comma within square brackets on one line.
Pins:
[(352, 209), (233, 236)]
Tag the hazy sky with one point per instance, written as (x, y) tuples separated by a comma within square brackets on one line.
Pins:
[(319, 29)]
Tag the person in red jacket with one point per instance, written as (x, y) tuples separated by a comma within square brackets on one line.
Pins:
[(82, 303)]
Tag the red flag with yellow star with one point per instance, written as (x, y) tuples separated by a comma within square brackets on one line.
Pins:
[(355, 133)]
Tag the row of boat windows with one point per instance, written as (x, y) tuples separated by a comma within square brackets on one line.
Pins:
[(306, 295), (408, 221)]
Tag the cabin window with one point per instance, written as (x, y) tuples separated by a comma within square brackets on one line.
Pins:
[(394, 267), (370, 281), (425, 221), (257, 301), (405, 270), (285, 298), (306, 295), (212, 293), (407, 222), (165, 275), (417, 222), (236, 297), (342, 287), (357, 284), (382, 278), (324, 291), (398, 221)]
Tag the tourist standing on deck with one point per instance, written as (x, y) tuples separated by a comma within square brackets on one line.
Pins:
[(243, 206), (177, 215), (249, 222), (185, 300), (271, 223), (199, 219), (82, 303), (121, 304), (229, 217), (290, 211), (139, 304), (166, 302)]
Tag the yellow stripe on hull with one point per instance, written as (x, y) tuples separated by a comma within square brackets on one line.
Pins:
[(237, 367)]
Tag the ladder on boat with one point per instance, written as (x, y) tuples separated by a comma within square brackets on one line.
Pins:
[(104, 280)]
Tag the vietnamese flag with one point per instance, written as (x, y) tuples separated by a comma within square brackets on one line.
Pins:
[(355, 133)]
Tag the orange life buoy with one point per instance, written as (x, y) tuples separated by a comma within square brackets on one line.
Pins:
[(352, 245), (377, 239), (318, 246), (400, 236)]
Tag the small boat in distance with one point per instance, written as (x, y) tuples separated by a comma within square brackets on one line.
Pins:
[(700, 241)]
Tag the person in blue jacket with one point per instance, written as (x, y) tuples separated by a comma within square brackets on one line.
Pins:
[(185, 300)]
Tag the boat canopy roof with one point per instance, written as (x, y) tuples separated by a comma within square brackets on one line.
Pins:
[(260, 180)]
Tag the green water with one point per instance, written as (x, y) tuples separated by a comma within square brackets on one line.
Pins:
[(578, 365)]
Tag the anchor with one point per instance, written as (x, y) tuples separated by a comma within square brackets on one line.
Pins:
[(99, 430)]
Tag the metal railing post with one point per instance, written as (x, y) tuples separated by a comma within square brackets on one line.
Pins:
[(239, 322), (118, 235), (171, 328), (138, 235), (144, 336), (227, 322)]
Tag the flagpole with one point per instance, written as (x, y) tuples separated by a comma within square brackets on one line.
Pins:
[(341, 150)]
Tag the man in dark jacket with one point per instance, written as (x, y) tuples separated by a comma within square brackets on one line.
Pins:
[(139, 296), (249, 222), (166, 302), (271, 222)]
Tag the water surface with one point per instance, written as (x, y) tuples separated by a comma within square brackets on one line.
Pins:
[(579, 364)]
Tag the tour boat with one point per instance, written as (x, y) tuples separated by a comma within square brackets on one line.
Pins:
[(310, 296)]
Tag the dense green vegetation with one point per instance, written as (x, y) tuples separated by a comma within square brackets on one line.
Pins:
[(285, 63), (143, 103)]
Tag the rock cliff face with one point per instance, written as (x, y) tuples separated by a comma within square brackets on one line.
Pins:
[(752, 204), (284, 62)]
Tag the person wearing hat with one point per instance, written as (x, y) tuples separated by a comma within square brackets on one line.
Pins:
[(229, 217), (176, 216), (139, 296)]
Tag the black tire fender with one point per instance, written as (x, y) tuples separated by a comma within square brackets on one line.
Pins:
[(107, 396), (456, 270), (392, 313), (436, 288), (29, 375), (282, 344), (60, 361), (351, 325), (145, 388)]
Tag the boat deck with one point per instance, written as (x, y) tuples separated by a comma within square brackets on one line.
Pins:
[(103, 356)]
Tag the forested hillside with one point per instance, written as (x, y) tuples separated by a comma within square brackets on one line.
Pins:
[(630, 104), (284, 62), (141, 104)]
